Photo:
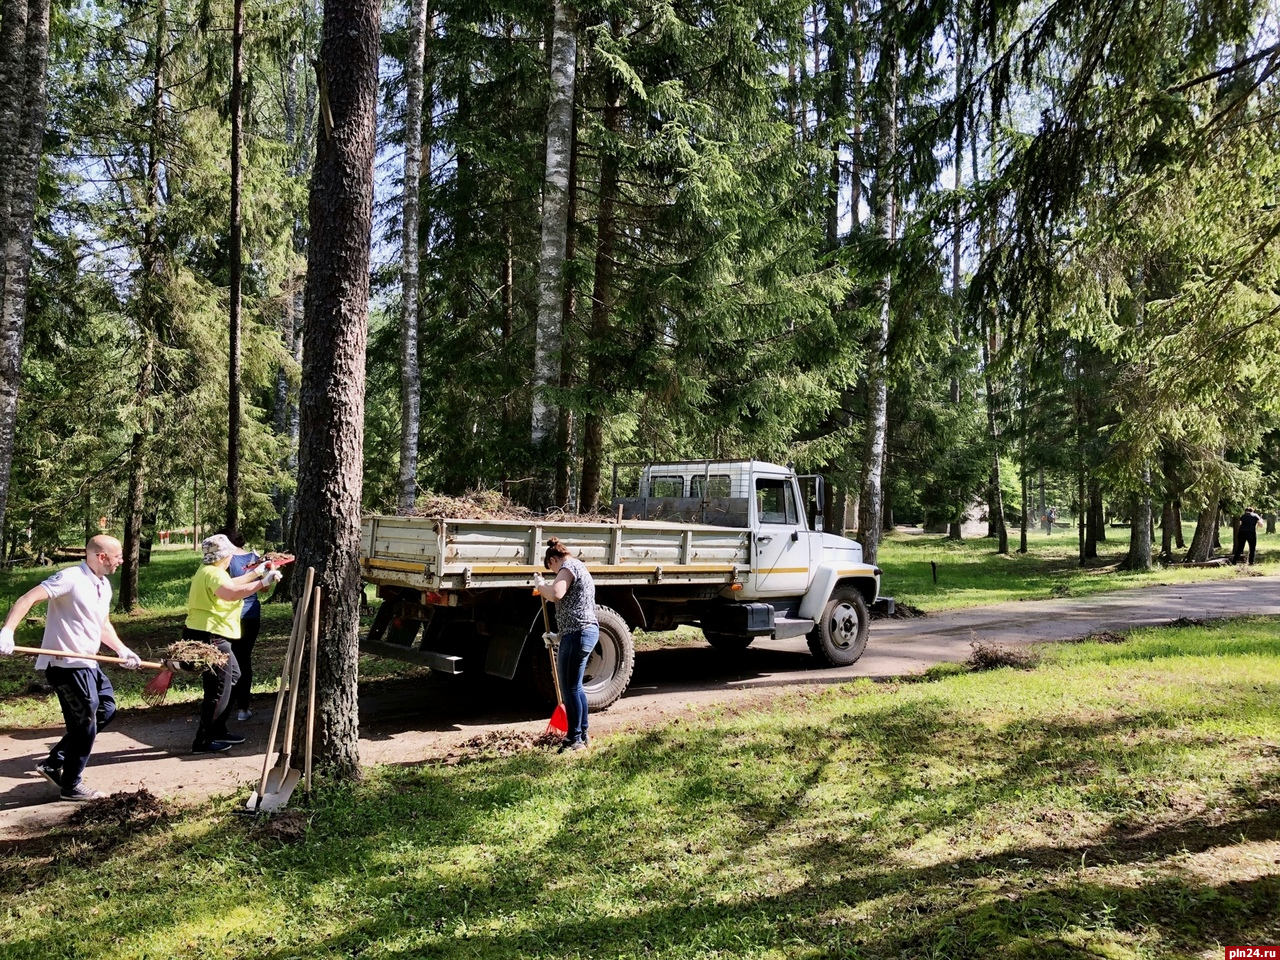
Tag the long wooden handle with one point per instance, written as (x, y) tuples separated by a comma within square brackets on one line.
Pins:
[(311, 694), (299, 618), (57, 655)]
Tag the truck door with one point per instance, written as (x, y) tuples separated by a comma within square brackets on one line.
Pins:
[(780, 565)]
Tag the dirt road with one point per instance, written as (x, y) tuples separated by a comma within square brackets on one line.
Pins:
[(409, 721)]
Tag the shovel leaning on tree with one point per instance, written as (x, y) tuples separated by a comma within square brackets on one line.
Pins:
[(277, 782)]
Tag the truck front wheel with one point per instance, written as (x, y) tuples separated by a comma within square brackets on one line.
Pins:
[(609, 667), (840, 636)]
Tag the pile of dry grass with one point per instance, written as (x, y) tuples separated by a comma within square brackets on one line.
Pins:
[(993, 656), (472, 505), (492, 505), (122, 809), (1104, 636), (287, 826), (194, 656)]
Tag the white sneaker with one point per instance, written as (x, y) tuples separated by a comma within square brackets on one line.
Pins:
[(243, 714)]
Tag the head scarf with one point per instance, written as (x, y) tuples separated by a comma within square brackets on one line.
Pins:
[(216, 547)]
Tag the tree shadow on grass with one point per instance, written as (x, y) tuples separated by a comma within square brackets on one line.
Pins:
[(690, 840)]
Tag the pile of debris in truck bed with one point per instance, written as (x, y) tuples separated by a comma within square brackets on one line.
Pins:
[(472, 505), (492, 505)]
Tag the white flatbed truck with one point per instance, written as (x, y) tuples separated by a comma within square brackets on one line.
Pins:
[(728, 546)]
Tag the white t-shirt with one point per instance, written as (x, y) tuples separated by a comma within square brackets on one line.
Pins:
[(79, 602)]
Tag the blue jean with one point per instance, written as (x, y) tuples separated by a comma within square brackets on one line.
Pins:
[(575, 648), (88, 703)]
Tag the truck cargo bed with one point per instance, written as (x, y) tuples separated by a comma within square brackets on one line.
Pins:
[(436, 553)]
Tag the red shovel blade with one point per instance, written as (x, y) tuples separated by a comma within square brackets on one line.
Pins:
[(559, 721)]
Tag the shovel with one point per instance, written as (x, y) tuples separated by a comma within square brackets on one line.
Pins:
[(277, 783), (559, 722)]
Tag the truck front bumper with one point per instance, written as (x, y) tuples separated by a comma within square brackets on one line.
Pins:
[(883, 606)]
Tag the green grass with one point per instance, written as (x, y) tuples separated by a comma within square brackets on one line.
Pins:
[(1119, 800), (971, 573)]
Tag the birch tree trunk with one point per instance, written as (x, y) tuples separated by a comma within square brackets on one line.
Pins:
[(869, 520), (555, 223), (24, 55), (410, 377), (331, 441)]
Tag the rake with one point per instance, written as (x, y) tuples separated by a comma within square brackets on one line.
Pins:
[(187, 656)]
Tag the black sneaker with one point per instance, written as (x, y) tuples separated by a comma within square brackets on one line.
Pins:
[(51, 773), (80, 793), (213, 746), (229, 737)]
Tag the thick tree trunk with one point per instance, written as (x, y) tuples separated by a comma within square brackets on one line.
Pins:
[(410, 378), (869, 521), (1139, 556), (1201, 548), (1177, 524), (555, 223), (1094, 521), (24, 54), (235, 253), (1166, 531), (333, 371)]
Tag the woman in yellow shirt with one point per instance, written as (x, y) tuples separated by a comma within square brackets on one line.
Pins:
[(213, 616)]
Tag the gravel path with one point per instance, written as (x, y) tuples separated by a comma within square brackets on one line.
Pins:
[(415, 720)]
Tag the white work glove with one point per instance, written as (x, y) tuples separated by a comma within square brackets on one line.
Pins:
[(539, 580), (270, 578), (6, 641), (131, 660)]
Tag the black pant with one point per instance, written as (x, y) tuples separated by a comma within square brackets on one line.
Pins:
[(217, 689), (243, 651), (88, 705), (1250, 538)]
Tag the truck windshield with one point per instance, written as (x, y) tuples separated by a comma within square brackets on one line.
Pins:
[(776, 501)]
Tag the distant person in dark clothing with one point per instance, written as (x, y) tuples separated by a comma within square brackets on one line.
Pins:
[(1247, 534)]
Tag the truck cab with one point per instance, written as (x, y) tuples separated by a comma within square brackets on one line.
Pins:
[(800, 581)]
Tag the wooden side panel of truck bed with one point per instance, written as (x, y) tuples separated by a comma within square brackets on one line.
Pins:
[(430, 553)]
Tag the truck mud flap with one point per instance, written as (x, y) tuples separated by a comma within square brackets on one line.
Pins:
[(883, 607), (506, 643)]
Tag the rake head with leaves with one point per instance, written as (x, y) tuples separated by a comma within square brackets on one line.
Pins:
[(186, 656)]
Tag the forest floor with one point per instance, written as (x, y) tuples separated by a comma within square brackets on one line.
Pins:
[(413, 718)]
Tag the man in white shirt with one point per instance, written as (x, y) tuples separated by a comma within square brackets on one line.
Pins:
[(79, 601)]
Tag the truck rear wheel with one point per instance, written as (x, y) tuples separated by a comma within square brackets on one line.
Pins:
[(840, 636), (609, 667)]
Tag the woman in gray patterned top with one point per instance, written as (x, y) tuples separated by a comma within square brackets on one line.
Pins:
[(574, 594)]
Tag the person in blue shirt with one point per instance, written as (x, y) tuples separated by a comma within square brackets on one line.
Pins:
[(250, 624)]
